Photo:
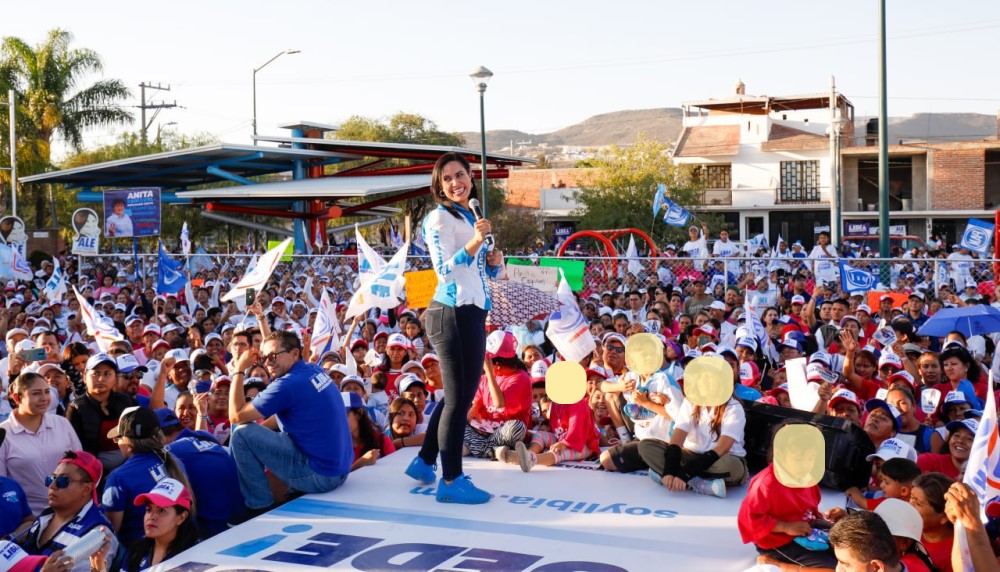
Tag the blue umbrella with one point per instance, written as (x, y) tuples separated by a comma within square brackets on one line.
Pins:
[(979, 319)]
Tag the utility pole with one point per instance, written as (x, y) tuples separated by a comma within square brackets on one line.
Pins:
[(152, 105)]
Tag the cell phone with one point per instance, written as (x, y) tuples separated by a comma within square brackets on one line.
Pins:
[(251, 296), (36, 354)]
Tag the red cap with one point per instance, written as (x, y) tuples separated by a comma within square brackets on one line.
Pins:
[(89, 464), (166, 493)]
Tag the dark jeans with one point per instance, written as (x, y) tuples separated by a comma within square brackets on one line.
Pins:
[(459, 338)]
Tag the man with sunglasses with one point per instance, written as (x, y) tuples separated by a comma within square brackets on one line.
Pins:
[(73, 510), (313, 452)]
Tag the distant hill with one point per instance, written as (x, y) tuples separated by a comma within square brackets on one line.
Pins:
[(664, 124), (615, 128)]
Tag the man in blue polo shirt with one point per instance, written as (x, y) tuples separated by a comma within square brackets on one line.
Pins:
[(313, 452), (210, 470)]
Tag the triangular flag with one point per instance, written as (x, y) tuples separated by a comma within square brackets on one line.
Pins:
[(260, 274), (326, 327), (104, 333)]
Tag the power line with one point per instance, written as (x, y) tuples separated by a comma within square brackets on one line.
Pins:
[(151, 105)]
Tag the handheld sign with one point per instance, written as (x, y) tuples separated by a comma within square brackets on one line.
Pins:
[(929, 399)]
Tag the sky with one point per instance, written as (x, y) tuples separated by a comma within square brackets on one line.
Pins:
[(555, 62)]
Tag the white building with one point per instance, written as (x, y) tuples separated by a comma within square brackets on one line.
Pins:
[(766, 160)]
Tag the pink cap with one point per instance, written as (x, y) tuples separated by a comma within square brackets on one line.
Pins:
[(501, 344), (166, 493), (749, 373)]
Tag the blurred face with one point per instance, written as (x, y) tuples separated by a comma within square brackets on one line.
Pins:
[(404, 421), (76, 494), (51, 345), (59, 380), (186, 411), (960, 444), (355, 389), (80, 362), (214, 347), (129, 382), (162, 523), (396, 355), (598, 405), (418, 396), (879, 426), (432, 371), (530, 356), (614, 355), (846, 410), (930, 369), (101, 380), (220, 397), (379, 344), (954, 369), (932, 519), (36, 399), (277, 360)]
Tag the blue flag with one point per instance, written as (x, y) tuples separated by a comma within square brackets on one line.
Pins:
[(676, 215), (978, 236), (855, 279), (661, 193), (170, 278)]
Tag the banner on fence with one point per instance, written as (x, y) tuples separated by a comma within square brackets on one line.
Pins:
[(572, 269), (544, 278)]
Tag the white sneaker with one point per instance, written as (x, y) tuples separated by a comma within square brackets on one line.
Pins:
[(710, 487), (525, 457), (503, 454)]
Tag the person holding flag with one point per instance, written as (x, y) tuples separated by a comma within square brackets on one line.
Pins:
[(455, 322), (697, 247)]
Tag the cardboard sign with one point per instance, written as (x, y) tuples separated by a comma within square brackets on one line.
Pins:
[(929, 399), (87, 226), (572, 269), (420, 286), (898, 298), (885, 336), (545, 279)]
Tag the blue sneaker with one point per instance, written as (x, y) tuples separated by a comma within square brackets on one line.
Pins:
[(710, 487), (461, 491), (421, 471), (817, 540)]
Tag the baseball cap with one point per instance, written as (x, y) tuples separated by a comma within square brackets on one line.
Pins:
[(98, 359), (797, 299), (955, 397), (718, 305), (706, 329), (152, 329), (166, 417), (917, 294), (132, 319), (890, 359), (864, 308), (894, 414), (749, 373), (597, 371), (338, 368), (893, 448), (847, 395), (135, 423), (783, 388), (404, 381), (902, 519), (412, 364), (911, 347), (969, 424), (501, 344), (398, 341), (904, 376), (178, 354), (14, 559), (538, 370), (429, 357), (747, 342), (358, 343), (88, 463), (47, 367), (212, 336), (352, 379), (15, 332), (351, 400), (127, 364), (614, 337), (167, 493)]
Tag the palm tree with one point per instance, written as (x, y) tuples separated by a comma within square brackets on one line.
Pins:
[(55, 99)]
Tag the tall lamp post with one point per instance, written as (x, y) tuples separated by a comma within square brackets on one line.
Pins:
[(480, 77), (279, 54)]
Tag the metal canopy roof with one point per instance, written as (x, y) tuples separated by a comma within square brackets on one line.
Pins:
[(322, 187), (395, 150), (189, 167)]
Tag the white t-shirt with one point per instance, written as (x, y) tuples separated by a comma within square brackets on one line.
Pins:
[(699, 431), (698, 250), (725, 250)]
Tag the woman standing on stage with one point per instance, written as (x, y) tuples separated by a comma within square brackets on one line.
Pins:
[(455, 323)]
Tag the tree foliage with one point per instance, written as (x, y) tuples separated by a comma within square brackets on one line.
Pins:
[(400, 128), (620, 190), (55, 99)]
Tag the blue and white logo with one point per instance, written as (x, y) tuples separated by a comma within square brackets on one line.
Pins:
[(978, 236), (676, 215), (854, 279)]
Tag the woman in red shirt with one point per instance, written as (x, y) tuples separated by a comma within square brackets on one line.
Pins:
[(952, 462), (370, 444), (927, 496), (501, 410)]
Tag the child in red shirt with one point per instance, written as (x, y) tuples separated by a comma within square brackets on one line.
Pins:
[(574, 437)]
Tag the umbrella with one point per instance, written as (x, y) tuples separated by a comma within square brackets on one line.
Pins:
[(979, 319), (514, 303)]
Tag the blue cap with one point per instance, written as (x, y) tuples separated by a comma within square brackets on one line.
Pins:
[(351, 400), (167, 417)]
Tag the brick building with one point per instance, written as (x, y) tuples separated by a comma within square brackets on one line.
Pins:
[(551, 192)]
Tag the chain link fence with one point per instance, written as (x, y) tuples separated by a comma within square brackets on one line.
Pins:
[(961, 277)]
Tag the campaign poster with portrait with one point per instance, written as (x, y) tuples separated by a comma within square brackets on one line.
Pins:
[(12, 233), (132, 212), (87, 226)]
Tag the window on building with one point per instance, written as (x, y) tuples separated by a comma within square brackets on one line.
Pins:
[(799, 181), (715, 176)]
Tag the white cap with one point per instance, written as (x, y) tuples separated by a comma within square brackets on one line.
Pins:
[(892, 448), (903, 520)]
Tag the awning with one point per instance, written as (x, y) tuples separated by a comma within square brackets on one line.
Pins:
[(319, 188)]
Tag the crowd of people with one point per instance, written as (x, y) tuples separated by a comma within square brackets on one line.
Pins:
[(143, 436)]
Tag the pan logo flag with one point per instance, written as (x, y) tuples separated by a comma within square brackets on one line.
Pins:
[(978, 236), (854, 279), (676, 215)]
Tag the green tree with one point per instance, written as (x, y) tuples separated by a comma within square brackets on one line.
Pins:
[(620, 190), (56, 99), (400, 128)]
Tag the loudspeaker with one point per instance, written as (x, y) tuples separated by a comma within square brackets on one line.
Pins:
[(847, 444)]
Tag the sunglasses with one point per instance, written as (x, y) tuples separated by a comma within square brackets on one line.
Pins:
[(615, 349), (61, 481)]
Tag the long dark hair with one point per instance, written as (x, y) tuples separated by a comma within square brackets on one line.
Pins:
[(511, 362), (965, 357), (187, 536), (370, 436), (437, 186)]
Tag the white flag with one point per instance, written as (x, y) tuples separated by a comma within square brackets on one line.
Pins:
[(185, 240), (55, 287), (326, 328), (982, 469), (369, 261), (260, 274), (104, 333), (568, 329), (384, 289), (632, 255)]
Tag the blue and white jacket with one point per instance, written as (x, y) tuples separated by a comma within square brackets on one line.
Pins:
[(461, 278)]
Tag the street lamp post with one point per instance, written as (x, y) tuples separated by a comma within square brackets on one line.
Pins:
[(480, 77), (279, 54)]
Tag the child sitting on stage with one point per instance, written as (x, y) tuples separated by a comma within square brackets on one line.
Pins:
[(574, 437)]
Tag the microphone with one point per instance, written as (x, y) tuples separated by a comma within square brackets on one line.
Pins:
[(477, 211)]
